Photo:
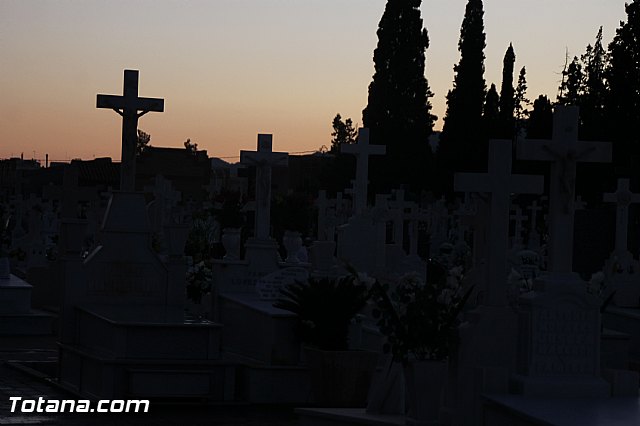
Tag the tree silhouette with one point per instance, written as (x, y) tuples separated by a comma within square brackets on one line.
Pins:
[(343, 133), (491, 113), (398, 112), (507, 95), (462, 147), (594, 96), (539, 125), (570, 90), (191, 147), (624, 97), (520, 100)]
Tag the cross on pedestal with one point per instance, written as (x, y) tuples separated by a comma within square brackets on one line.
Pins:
[(500, 183), (263, 159), (623, 198), (362, 150), (128, 106), (564, 151), (518, 219)]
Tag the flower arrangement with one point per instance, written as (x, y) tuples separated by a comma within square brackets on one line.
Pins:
[(418, 318), (198, 281)]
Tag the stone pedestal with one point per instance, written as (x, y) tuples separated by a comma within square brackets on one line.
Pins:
[(559, 340), (16, 316), (485, 357)]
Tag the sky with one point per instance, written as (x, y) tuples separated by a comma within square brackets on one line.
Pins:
[(230, 69)]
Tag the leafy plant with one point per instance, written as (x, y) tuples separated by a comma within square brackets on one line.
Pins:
[(325, 308), (419, 318)]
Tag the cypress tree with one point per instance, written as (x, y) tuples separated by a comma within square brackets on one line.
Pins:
[(571, 88), (624, 96), (507, 94), (540, 123), (520, 101), (398, 112), (462, 144), (491, 113), (594, 98)]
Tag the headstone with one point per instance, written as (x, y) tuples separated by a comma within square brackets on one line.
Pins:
[(564, 151), (559, 342), (488, 343), (362, 150), (269, 286), (131, 108), (263, 159), (500, 183), (622, 271)]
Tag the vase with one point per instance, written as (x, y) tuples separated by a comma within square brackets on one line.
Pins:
[(425, 381), (231, 243), (292, 242)]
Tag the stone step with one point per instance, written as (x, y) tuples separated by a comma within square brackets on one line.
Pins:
[(27, 323)]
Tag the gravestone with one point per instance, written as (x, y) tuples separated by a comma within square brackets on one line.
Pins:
[(559, 323), (16, 316), (487, 348), (362, 150), (622, 271), (269, 286), (263, 159)]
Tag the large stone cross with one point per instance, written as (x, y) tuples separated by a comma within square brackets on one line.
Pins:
[(564, 151), (501, 184), (128, 106), (623, 197), (263, 159), (362, 150)]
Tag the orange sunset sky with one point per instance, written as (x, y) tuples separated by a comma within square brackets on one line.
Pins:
[(229, 69)]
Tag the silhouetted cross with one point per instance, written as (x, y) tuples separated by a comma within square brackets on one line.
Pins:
[(564, 151), (128, 106)]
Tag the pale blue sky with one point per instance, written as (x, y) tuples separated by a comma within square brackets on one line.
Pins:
[(229, 69)]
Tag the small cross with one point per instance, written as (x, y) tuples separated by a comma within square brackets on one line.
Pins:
[(128, 106), (519, 219), (623, 198)]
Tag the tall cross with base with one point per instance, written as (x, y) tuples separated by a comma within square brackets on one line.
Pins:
[(564, 151), (623, 197), (362, 150), (128, 106), (263, 159), (500, 183)]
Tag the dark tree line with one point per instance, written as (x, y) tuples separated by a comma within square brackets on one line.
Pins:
[(603, 81)]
